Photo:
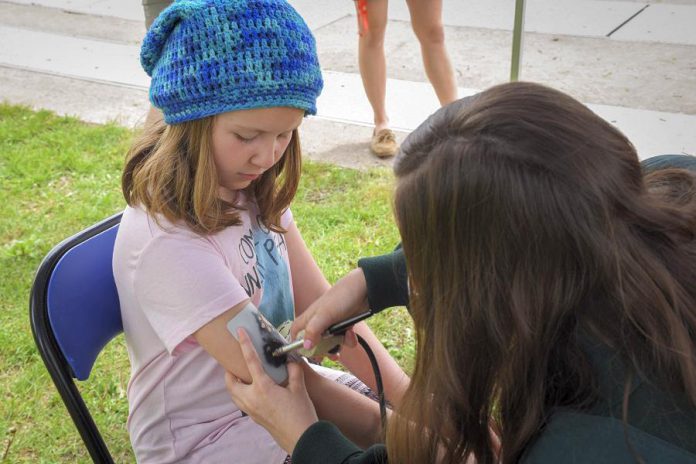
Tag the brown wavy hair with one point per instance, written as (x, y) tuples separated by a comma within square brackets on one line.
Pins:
[(526, 226), (170, 172), (675, 185)]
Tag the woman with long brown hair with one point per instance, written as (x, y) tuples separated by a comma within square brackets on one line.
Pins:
[(553, 295)]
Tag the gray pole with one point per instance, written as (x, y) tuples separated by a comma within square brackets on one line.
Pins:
[(518, 29)]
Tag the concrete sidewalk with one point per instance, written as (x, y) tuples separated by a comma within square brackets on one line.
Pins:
[(634, 63)]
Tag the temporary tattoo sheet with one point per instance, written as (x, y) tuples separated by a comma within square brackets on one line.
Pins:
[(265, 338)]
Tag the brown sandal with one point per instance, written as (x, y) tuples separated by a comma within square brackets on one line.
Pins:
[(384, 144)]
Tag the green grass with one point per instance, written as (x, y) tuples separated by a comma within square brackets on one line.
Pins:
[(59, 175)]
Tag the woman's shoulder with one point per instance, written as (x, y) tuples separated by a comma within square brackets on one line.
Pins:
[(581, 438), (660, 427), (324, 443)]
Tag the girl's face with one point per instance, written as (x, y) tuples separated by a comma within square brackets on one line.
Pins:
[(246, 143)]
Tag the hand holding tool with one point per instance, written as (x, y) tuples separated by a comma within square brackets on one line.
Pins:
[(330, 342)]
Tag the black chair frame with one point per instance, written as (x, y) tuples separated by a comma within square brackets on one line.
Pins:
[(57, 365)]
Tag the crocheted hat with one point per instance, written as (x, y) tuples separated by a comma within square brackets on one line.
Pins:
[(207, 57)]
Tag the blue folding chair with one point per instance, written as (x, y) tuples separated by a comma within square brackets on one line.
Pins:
[(75, 312)]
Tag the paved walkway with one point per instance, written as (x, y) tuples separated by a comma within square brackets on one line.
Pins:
[(632, 62)]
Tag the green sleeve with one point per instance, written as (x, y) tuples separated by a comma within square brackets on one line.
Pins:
[(323, 443), (387, 281)]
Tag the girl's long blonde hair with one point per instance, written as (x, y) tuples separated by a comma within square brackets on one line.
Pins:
[(170, 172)]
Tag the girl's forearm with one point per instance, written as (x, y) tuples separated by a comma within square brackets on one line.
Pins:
[(355, 359), (354, 414)]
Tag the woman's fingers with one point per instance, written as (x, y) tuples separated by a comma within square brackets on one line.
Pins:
[(236, 387), (251, 357), (300, 321), (314, 321), (238, 390), (295, 377), (350, 339), (230, 381), (348, 297), (317, 325), (286, 412)]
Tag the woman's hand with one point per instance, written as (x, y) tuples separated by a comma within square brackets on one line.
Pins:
[(286, 412), (347, 298)]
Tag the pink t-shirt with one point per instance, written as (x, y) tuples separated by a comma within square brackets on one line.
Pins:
[(171, 282)]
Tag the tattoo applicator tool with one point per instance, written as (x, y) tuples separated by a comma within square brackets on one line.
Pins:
[(329, 343)]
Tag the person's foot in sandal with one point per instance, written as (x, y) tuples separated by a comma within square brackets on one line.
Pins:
[(383, 143)]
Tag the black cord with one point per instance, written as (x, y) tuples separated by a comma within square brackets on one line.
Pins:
[(378, 380)]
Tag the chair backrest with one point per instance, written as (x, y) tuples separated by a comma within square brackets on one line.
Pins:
[(74, 313)]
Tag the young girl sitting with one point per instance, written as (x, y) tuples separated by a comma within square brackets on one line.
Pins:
[(208, 229), (553, 292)]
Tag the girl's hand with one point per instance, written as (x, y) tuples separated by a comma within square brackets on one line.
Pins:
[(347, 298), (286, 412)]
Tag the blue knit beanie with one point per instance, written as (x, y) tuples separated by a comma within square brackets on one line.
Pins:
[(207, 57)]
